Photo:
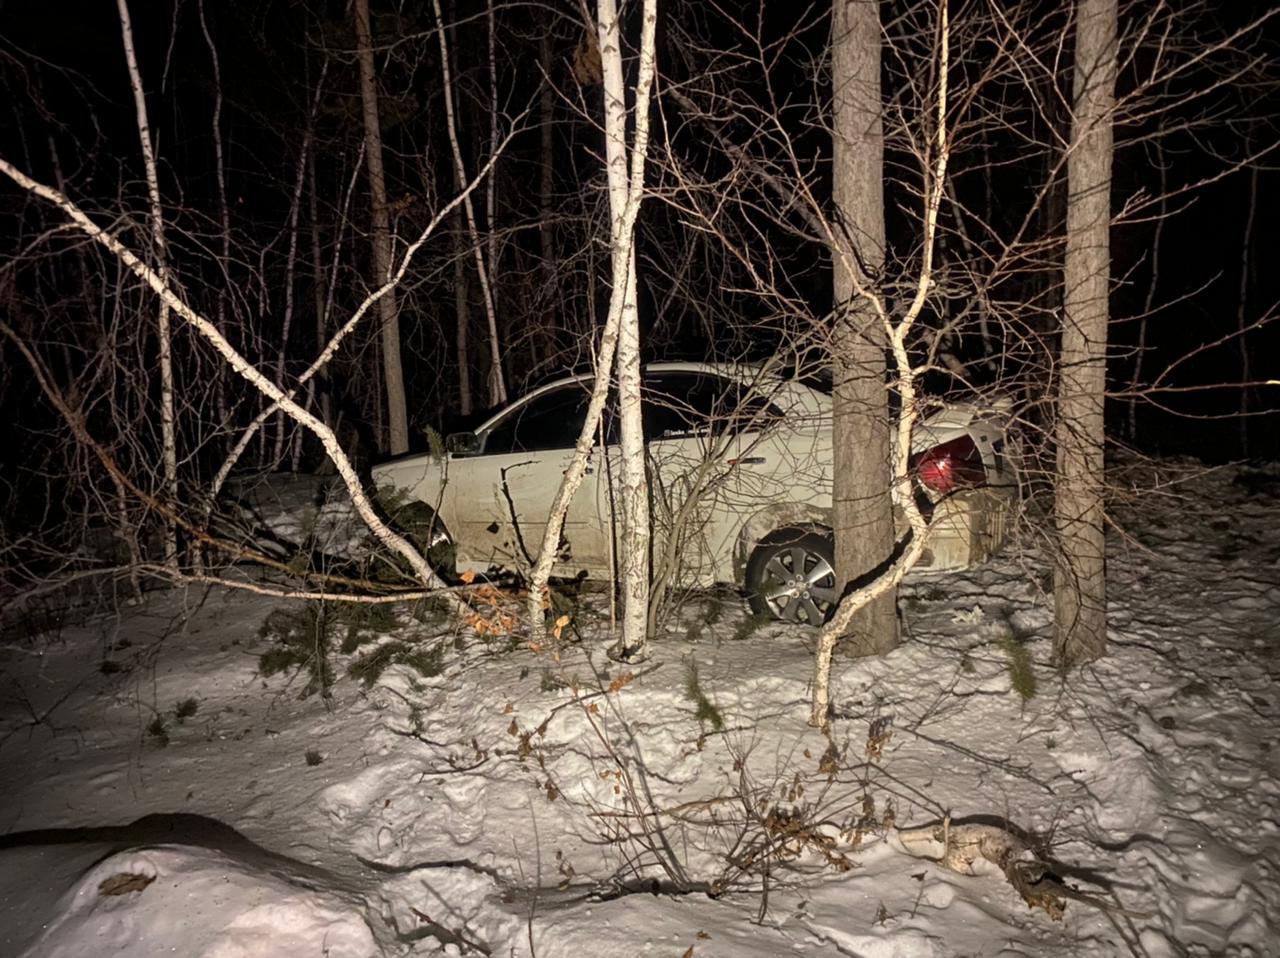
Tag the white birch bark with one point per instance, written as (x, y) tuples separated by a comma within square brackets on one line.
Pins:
[(625, 169), (168, 425), (626, 187)]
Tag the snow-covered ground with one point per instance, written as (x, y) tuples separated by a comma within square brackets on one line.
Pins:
[(510, 804)]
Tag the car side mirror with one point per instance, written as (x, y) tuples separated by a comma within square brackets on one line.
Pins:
[(462, 443)]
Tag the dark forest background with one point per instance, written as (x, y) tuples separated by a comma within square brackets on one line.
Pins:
[(267, 222)]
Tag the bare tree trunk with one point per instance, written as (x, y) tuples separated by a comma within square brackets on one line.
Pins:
[(1080, 596), (462, 309), (897, 563), (168, 425), (497, 381), (546, 183), (1242, 299), (224, 214), (625, 191), (625, 169), (291, 261), (863, 506), (492, 251), (392, 371), (318, 285), (1140, 350), (290, 270)]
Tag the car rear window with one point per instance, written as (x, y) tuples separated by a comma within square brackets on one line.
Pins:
[(680, 405)]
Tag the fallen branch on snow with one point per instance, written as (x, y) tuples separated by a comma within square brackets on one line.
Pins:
[(959, 846)]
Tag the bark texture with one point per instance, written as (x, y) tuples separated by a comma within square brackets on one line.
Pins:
[(392, 371), (1080, 595), (625, 170), (160, 253), (863, 509)]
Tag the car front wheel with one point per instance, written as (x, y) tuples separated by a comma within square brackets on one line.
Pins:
[(791, 576)]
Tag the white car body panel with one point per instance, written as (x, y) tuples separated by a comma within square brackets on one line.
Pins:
[(773, 476)]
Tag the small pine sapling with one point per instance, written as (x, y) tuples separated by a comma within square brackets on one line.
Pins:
[(1022, 676), (301, 642), (158, 731), (369, 667), (705, 710)]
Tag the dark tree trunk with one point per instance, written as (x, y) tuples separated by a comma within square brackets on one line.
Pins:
[(1080, 594), (863, 513)]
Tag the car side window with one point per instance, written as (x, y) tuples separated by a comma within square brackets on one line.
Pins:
[(681, 405), (550, 421)]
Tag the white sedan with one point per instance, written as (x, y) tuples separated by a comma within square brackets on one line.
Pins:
[(740, 472)]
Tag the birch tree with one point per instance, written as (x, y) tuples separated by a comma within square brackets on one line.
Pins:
[(1080, 613), (620, 340), (159, 252), (626, 188)]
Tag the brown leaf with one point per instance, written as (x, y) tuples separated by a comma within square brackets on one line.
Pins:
[(689, 953), (508, 709), (124, 883)]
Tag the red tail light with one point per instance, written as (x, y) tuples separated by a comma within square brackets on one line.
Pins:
[(953, 465)]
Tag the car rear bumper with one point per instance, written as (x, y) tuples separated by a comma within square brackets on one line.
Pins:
[(968, 527)]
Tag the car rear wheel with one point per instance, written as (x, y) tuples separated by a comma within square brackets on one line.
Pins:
[(791, 577)]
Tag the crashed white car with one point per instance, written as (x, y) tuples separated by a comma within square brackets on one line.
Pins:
[(740, 465)]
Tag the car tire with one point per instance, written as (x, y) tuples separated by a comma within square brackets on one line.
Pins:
[(790, 577)]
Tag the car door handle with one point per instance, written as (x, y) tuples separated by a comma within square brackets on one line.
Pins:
[(748, 461)]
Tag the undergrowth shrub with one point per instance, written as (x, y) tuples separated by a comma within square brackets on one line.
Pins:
[(301, 643), (1021, 674), (368, 668), (364, 622), (705, 710), (158, 731)]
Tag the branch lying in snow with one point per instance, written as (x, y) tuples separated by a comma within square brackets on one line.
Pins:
[(959, 846), (387, 536)]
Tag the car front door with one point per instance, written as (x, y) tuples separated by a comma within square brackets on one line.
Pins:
[(500, 498)]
